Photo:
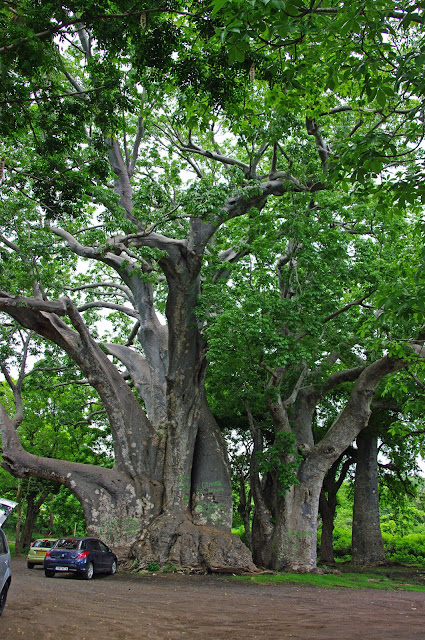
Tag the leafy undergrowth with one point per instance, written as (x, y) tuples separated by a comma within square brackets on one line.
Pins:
[(388, 577)]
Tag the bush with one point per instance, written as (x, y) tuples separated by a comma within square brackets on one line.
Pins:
[(240, 531), (409, 549), (342, 543)]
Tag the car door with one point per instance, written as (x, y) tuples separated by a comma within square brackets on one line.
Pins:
[(4, 560), (96, 555), (107, 557)]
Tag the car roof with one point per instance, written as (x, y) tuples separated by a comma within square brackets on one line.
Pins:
[(77, 538)]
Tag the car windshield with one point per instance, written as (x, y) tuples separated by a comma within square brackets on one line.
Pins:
[(46, 544), (69, 544)]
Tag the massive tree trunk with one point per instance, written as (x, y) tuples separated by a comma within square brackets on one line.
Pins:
[(367, 543), (291, 545), (168, 497), (285, 526), (194, 525)]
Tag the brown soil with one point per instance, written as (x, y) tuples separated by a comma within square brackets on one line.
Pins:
[(174, 606)]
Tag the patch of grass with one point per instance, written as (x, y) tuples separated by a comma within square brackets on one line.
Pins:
[(355, 580), (12, 549), (168, 568)]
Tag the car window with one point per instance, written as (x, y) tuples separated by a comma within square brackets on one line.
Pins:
[(103, 547), (95, 545), (3, 545), (46, 544), (69, 544)]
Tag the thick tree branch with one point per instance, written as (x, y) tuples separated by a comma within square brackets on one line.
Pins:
[(355, 415), (100, 304), (348, 375), (226, 160), (16, 387), (8, 302), (23, 464), (264, 513), (127, 420)]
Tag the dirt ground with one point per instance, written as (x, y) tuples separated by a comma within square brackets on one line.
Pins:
[(171, 606)]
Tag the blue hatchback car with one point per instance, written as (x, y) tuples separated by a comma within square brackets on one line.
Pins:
[(82, 556)]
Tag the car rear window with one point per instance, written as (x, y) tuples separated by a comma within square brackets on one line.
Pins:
[(69, 544), (46, 544)]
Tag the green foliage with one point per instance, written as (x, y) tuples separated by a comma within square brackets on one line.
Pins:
[(282, 459), (67, 515), (407, 549), (402, 525), (239, 531), (340, 56), (342, 543), (63, 419)]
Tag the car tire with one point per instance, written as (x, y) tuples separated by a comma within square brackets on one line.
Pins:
[(49, 573), (113, 568), (3, 597), (88, 573), (30, 565)]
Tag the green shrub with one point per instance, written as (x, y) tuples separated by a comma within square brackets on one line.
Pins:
[(342, 543), (240, 531), (409, 549)]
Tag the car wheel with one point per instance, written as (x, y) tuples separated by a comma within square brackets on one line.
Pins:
[(3, 597), (30, 565), (113, 568), (89, 571), (49, 573)]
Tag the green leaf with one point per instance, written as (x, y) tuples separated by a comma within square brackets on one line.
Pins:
[(381, 98), (217, 5)]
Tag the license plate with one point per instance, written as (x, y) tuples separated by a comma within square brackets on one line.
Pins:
[(61, 568), (40, 553)]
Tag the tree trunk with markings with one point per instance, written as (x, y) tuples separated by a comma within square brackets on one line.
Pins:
[(367, 543)]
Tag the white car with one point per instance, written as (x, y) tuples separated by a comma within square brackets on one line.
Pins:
[(6, 507), (5, 573)]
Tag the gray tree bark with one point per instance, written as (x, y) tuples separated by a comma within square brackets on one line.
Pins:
[(285, 527), (367, 543)]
